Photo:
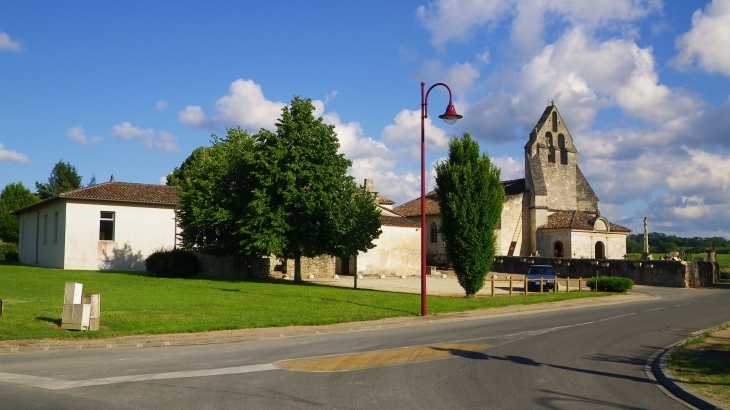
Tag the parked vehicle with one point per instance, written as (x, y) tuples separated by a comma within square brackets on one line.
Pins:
[(439, 260), (536, 272)]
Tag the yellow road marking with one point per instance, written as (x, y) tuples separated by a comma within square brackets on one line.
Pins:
[(354, 361)]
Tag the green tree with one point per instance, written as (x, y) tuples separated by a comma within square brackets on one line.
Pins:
[(633, 246), (178, 174), (13, 196), (313, 199), (284, 193), (63, 178), (209, 209), (471, 198)]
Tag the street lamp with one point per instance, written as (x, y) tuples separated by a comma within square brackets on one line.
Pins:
[(450, 117)]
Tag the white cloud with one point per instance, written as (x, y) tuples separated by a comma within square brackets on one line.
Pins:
[(706, 45), (459, 20), (512, 168), (353, 144), (162, 180), (246, 107), (407, 131), (12, 156), (161, 105), (127, 131), (7, 44), (459, 77), (164, 142), (78, 134), (193, 117), (331, 96)]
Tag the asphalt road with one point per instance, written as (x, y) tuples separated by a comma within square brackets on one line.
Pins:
[(590, 357)]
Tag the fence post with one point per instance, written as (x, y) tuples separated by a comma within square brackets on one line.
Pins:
[(579, 283), (525, 284), (540, 284), (555, 284), (567, 285), (493, 279), (510, 285)]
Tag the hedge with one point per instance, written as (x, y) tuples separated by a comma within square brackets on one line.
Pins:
[(611, 284), (176, 263), (8, 252)]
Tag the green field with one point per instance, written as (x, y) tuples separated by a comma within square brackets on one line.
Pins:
[(137, 303)]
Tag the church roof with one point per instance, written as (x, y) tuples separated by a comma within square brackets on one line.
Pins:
[(577, 220), (512, 188)]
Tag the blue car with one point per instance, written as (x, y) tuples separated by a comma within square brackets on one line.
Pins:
[(546, 272)]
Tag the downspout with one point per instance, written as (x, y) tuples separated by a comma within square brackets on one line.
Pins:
[(37, 232)]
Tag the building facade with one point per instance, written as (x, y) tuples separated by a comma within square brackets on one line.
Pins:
[(553, 211)]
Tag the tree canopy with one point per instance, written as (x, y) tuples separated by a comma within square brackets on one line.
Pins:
[(63, 178), (471, 197), (13, 196), (284, 193)]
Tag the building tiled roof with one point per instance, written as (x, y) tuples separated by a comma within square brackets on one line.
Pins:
[(512, 188), (384, 201), (398, 221), (127, 192), (118, 192), (413, 208), (577, 220)]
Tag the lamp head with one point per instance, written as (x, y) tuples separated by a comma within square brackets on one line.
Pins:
[(450, 116)]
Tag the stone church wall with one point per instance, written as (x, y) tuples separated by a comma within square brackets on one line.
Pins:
[(653, 273)]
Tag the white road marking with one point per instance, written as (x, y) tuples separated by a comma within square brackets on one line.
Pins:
[(58, 384), (683, 304), (650, 310)]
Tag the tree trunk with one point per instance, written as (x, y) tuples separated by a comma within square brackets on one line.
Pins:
[(298, 269)]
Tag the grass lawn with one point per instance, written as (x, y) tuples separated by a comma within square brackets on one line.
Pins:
[(137, 303), (703, 365)]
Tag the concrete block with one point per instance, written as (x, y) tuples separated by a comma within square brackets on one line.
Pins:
[(76, 317), (72, 293)]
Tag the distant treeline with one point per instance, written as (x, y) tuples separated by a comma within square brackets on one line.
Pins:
[(662, 243)]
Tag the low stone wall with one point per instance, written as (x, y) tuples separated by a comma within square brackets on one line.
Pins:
[(653, 273), (240, 267)]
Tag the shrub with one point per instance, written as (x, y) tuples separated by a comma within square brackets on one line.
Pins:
[(8, 252), (175, 263), (611, 284)]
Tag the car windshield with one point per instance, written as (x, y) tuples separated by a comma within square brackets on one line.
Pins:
[(542, 270)]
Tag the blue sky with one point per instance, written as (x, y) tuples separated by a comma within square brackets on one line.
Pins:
[(131, 88)]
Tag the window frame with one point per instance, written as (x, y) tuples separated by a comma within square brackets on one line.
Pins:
[(104, 222)]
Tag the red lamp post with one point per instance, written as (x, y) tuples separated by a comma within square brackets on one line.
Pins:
[(450, 117)]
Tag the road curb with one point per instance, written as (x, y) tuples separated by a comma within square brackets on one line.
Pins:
[(660, 369)]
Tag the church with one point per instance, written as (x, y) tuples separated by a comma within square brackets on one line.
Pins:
[(552, 211)]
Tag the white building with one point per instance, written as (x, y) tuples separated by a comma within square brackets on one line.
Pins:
[(114, 225)]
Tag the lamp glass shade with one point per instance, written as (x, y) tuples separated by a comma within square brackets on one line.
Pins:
[(450, 116)]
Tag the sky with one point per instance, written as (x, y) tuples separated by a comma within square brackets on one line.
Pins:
[(131, 88)]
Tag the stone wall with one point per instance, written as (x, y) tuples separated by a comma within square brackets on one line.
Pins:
[(653, 273), (240, 267)]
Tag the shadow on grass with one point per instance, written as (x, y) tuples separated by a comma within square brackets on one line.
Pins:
[(54, 321)]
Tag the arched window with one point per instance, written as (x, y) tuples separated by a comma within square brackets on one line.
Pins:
[(433, 233), (551, 148), (600, 250), (558, 249), (555, 121), (563, 151)]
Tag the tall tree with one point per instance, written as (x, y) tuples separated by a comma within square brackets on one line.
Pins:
[(208, 209), (310, 189), (471, 198), (284, 193), (13, 196), (63, 178)]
